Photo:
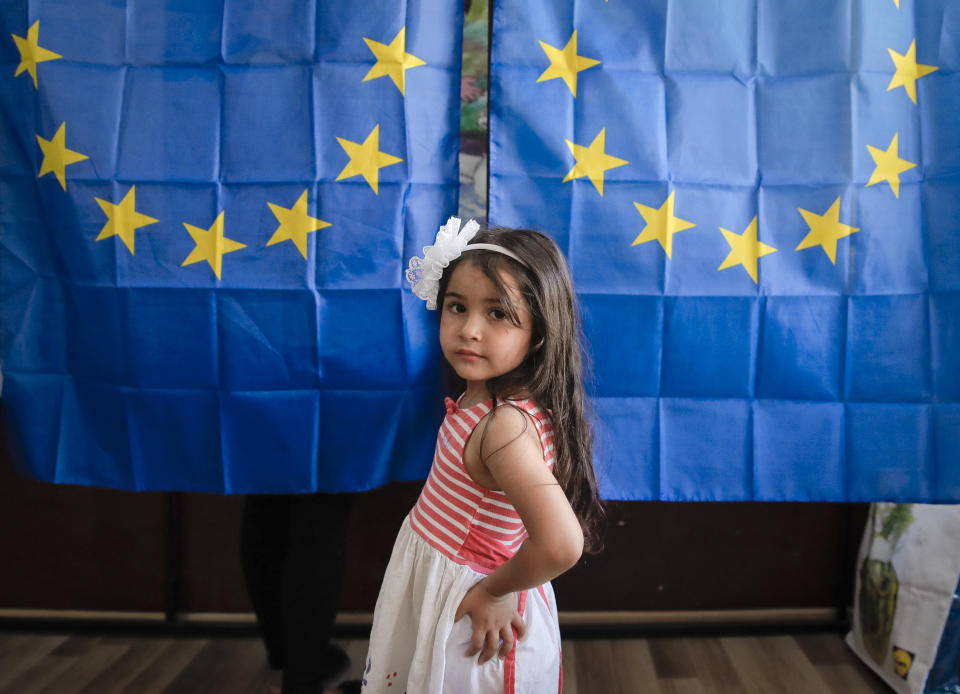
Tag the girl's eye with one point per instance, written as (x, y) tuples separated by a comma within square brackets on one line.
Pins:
[(455, 307), (498, 314)]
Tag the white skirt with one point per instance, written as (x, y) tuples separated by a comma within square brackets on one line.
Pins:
[(417, 648)]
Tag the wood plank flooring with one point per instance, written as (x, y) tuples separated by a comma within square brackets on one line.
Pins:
[(84, 664)]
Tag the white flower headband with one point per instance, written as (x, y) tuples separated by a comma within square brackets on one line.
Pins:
[(424, 273)]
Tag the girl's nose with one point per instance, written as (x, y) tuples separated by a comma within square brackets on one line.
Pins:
[(470, 328)]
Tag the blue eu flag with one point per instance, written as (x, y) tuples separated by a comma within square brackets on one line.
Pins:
[(205, 211), (759, 203)]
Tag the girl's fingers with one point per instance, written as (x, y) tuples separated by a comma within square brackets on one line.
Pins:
[(491, 645), (506, 643), (519, 625), (476, 643)]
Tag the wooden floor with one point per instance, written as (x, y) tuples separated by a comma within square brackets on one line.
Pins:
[(808, 663)]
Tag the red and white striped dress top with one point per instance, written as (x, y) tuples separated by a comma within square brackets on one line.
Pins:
[(464, 521)]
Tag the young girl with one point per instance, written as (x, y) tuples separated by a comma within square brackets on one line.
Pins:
[(511, 495)]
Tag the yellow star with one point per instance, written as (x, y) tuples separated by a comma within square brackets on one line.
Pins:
[(31, 52), (392, 59), (366, 159), (908, 70), (661, 224), (825, 230), (745, 249), (889, 165), (56, 156), (565, 63), (592, 161), (123, 219), (211, 245), (897, 3), (295, 224)]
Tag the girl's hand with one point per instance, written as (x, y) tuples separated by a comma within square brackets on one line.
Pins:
[(494, 620)]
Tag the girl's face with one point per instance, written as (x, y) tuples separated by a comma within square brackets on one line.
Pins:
[(476, 334)]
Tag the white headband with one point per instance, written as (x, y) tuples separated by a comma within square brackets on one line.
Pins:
[(495, 248), (424, 273)]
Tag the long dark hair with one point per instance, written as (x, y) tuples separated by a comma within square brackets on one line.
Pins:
[(552, 374)]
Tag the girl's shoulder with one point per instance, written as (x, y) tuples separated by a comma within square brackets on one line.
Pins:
[(502, 420), (530, 407), (512, 419)]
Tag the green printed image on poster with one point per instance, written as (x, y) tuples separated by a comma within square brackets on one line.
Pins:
[(907, 573)]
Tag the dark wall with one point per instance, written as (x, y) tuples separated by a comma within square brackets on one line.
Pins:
[(65, 547)]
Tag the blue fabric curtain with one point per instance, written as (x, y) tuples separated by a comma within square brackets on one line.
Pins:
[(759, 201), (205, 211)]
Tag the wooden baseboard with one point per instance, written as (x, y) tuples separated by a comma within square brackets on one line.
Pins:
[(80, 615), (759, 617), (802, 615)]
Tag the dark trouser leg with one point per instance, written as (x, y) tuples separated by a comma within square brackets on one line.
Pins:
[(263, 547), (312, 579)]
